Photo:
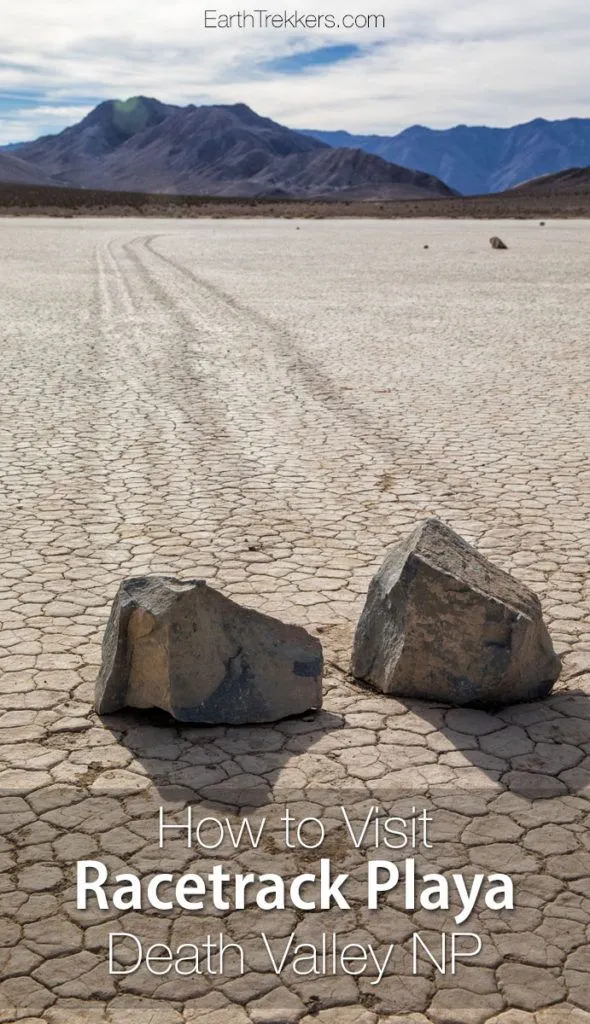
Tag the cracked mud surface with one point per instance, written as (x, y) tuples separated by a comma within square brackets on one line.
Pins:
[(271, 408)]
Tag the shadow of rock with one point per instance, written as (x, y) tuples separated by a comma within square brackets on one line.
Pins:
[(538, 750), (239, 766), (460, 756)]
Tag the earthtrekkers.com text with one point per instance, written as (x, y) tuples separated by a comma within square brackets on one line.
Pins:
[(289, 19)]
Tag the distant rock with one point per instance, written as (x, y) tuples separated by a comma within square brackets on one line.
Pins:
[(442, 623), (183, 647), (497, 243)]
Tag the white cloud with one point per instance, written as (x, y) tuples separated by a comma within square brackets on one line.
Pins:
[(21, 124), (439, 62)]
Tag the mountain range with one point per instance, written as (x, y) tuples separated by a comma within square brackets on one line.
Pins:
[(478, 160), (20, 172), (144, 145), (574, 181)]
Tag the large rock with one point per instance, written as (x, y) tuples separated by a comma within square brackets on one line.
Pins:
[(183, 647), (497, 243), (442, 623)]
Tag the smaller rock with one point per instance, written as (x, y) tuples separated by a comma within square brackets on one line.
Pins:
[(542, 224), (183, 647), (497, 243)]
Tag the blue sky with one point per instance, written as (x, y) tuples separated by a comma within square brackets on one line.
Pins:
[(306, 60), (435, 62)]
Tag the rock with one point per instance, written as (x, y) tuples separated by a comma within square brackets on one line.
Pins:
[(183, 647), (497, 243), (442, 623)]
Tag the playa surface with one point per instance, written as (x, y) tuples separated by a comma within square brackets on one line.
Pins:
[(270, 405)]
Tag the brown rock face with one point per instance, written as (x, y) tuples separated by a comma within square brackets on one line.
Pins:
[(181, 646), (442, 623)]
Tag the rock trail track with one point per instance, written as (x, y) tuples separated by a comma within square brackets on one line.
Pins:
[(270, 405)]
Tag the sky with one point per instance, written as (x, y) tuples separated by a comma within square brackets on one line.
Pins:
[(431, 62)]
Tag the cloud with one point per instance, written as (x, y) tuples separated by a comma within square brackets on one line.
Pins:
[(20, 121), (436, 62)]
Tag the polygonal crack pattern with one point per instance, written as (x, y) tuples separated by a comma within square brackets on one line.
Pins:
[(270, 409)]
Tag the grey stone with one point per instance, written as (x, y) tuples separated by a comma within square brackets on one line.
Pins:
[(442, 623), (183, 647), (497, 243)]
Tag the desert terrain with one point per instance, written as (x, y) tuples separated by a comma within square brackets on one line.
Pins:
[(270, 404), (564, 198)]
